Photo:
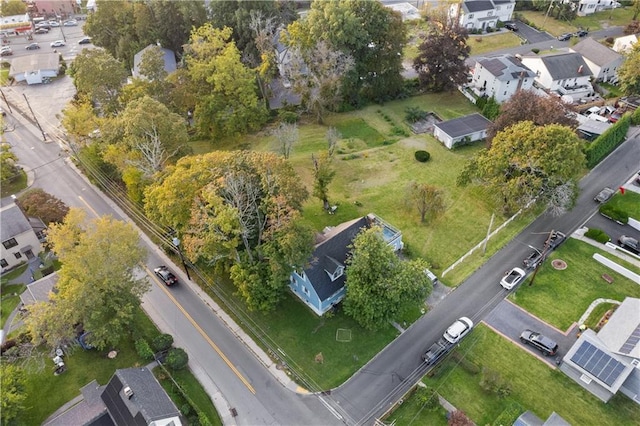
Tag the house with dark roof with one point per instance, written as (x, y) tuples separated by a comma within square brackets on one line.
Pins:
[(19, 240), (602, 61), (500, 77), (133, 396), (481, 14), (321, 284), (563, 73), (169, 58), (606, 362), (529, 419), (40, 291), (469, 128)]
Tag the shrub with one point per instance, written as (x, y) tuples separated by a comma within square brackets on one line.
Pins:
[(604, 144), (492, 382), (491, 109), (427, 397), (399, 131), (422, 156), (598, 235), (162, 342), (415, 114), (143, 349), (609, 41), (535, 50), (635, 117), (614, 213), (632, 28), (177, 359), (289, 117)]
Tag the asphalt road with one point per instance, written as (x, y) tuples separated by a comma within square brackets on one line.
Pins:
[(371, 391)]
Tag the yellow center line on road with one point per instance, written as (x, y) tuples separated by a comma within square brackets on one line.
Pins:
[(201, 331), (88, 206)]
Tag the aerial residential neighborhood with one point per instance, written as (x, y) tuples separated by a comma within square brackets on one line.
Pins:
[(320, 212)]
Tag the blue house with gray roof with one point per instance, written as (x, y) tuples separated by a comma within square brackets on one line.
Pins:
[(320, 285)]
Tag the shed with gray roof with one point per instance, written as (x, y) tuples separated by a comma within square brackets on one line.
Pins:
[(469, 128)]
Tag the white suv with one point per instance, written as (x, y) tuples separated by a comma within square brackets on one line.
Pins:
[(458, 330)]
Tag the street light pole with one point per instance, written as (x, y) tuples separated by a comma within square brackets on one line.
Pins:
[(176, 242)]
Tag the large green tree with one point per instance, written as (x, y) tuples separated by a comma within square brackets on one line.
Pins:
[(13, 7), (97, 284), (528, 163), (379, 285), (227, 101), (100, 77), (239, 210), (629, 71), (371, 33), (14, 393)]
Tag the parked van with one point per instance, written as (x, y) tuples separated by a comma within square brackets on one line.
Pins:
[(432, 277)]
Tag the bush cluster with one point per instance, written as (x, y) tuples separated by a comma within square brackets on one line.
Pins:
[(635, 117), (614, 213), (608, 141), (143, 349), (162, 342), (492, 382), (598, 235), (427, 397), (422, 156), (415, 114)]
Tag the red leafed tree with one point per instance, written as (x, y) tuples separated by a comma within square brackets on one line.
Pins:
[(459, 418)]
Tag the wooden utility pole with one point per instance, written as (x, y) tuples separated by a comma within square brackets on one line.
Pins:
[(44, 136)]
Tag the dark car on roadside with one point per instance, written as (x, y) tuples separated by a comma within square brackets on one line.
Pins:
[(435, 352), (511, 26), (41, 30), (165, 275), (565, 37), (581, 33), (533, 260), (85, 40), (33, 46), (629, 243), (555, 239), (540, 342)]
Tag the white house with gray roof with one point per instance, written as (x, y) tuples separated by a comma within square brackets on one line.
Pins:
[(562, 73), (19, 240), (481, 14), (500, 77), (607, 362), (469, 128), (602, 61), (625, 44)]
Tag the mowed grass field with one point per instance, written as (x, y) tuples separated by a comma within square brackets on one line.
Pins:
[(374, 166)]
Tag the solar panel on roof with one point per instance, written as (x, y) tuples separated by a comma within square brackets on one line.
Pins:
[(601, 365), (631, 342)]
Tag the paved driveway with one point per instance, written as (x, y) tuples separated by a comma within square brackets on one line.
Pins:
[(510, 320), (531, 35)]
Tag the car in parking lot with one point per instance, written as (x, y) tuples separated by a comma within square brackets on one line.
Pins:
[(6, 51), (512, 278), (54, 23), (165, 275), (58, 43), (85, 40), (458, 330), (41, 30), (33, 46), (435, 352), (604, 195), (70, 23), (511, 26), (629, 243), (565, 37), (540, 342)]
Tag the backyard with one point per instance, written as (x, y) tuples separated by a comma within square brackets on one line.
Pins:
[(522, 382), (561, 297), (594, 22)]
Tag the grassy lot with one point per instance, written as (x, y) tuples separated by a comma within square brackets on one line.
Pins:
[(594, 22), (561, 297), (614, 91), (14, 186), (82, 368), (597, 314), (629, 203), (10, 299), (412, 412), (533, 385), (490, 43)]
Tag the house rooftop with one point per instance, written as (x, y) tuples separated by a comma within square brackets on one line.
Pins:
[(13, 222), (596, 52), (40, 290), (506, 67), (621, 333), (169, 60), (472, 6), (464, 126), (565, 65), (40, 61)]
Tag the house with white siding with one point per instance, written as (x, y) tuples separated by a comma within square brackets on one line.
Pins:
[(500, 77), (19, 240), (602, 61), (467, 129), (481, 14), (624, 44), (563, 73)]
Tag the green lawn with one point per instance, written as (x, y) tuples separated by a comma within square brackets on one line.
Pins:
[(629, 202), (10, 299), (533, 386), (561, 297), (493, 42), (594, 22), (412, 412), (14, 186)]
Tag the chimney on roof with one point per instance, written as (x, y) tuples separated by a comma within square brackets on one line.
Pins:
[(580, 69), (128, 392)]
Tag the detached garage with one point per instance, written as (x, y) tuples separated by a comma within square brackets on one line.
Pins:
[(35, 68), (469, 128)]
